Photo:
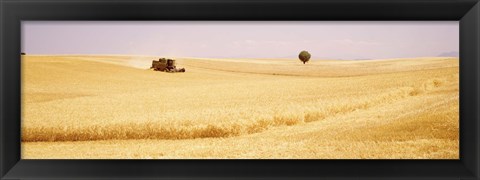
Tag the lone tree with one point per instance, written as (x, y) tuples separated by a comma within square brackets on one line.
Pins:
[(304, 56)]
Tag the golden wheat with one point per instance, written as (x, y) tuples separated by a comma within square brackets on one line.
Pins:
[(237, 108)]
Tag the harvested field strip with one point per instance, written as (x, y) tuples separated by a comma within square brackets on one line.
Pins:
[(251, 123)]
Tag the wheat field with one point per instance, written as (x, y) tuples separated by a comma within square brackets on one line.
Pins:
[(113, 107)]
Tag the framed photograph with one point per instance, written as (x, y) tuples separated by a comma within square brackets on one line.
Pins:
[(239, 89)]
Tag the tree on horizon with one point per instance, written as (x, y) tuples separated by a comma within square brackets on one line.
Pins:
[(304, 56)]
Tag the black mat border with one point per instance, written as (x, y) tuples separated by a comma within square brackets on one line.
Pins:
[(12, 12)]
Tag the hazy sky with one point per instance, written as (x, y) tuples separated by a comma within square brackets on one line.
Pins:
[(323, 39)]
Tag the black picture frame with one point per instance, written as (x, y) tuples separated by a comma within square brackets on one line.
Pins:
[(12, 12)]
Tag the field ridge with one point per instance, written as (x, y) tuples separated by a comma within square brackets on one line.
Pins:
[(152, 130)]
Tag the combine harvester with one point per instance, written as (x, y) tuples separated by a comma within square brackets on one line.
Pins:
[(165, 65)]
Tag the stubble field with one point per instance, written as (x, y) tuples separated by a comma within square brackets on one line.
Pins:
[(112, 107)]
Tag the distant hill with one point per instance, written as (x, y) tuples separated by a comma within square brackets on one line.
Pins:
[(449, 54)]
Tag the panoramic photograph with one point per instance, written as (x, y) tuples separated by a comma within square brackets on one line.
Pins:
[(240, 89)]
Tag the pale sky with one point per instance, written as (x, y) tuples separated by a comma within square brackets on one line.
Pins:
[(244, 39)]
